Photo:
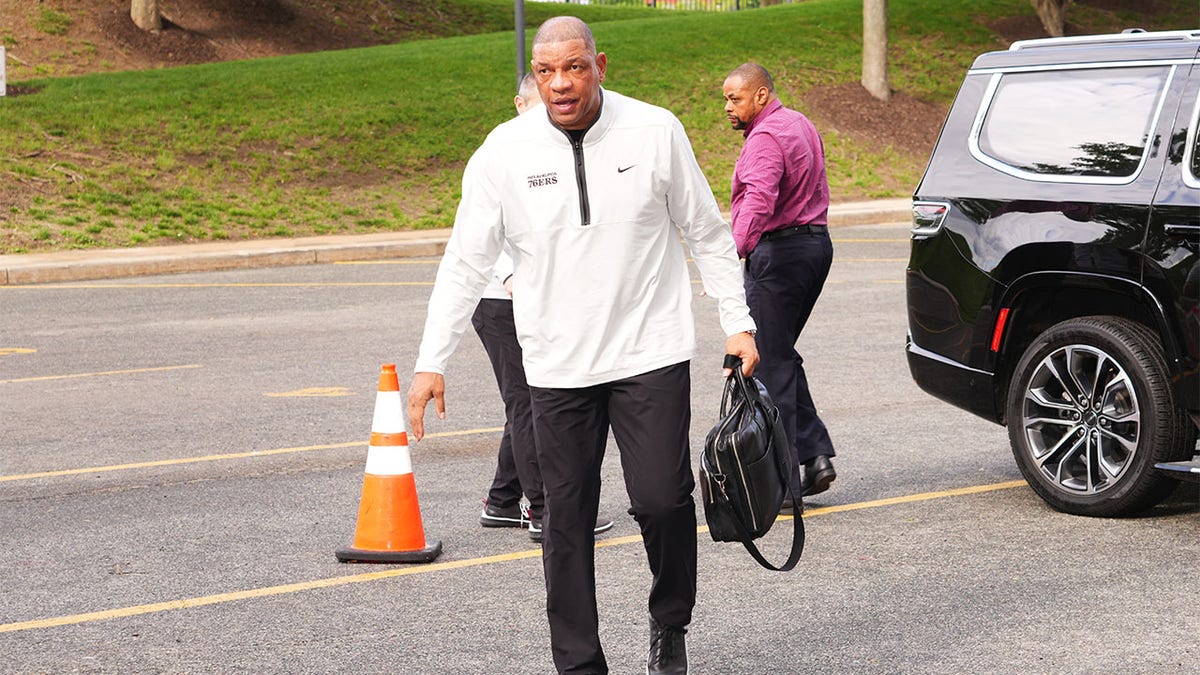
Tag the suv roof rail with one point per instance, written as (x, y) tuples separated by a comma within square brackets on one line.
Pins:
[(1129, 35)]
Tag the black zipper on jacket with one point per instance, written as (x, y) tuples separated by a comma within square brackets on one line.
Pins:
[(585, 209), (576, 141)]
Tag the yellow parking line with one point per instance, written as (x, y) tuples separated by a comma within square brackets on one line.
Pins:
[(302, 586), (103, 372), (214, 458), (908, 499), (262, 592)]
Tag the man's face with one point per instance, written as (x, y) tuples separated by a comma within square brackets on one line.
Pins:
[(742, 102), (568, 78)]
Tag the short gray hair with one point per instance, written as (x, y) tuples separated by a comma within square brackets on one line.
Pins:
[(527, 89)]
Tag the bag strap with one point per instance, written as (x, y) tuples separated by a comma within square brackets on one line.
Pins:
[(748, 541), (738, 381)]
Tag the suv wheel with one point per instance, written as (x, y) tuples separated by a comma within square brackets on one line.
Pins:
[(1090, 410)]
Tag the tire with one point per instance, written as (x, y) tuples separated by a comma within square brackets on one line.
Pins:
[(1094, 457)]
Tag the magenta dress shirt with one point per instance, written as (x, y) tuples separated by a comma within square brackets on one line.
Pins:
[(779, 179)]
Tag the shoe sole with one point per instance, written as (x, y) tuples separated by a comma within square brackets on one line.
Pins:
[(821, 484), (496, 521)]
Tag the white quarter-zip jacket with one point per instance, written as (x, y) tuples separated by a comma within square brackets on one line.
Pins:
[(601, 290)]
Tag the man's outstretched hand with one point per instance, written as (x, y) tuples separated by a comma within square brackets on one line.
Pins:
[(425, 386)]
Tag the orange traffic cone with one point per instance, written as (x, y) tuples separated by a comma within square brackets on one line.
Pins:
[(389, 517)]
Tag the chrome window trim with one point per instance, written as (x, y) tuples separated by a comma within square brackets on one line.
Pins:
[(1189, 150), (1002, 167)]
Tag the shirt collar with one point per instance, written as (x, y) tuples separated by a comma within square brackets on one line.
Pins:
[(771, 107)]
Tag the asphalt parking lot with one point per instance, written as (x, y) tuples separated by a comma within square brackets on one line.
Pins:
[(181, 455)]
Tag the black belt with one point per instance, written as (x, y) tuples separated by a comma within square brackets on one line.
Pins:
[(795, 229)]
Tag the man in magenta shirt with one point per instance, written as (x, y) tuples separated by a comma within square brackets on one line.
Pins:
[(780, 205)]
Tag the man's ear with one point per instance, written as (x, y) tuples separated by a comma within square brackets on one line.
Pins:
[(602, 64), (762, 96)]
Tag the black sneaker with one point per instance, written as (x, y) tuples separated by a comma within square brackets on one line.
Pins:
[(668, 653), (516, 515), (535, 528)]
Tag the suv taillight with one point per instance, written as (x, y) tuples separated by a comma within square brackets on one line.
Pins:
[(928, 217)]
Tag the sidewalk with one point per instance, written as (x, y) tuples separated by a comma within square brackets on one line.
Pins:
[(37, 268)]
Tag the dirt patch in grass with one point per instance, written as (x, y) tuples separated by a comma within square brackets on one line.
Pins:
[(908, 125)]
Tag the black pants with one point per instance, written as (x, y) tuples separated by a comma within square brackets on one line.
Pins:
[(783, 279), (649, 415), (516, 465)]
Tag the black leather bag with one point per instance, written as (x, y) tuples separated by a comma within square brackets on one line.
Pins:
[(745, 468)]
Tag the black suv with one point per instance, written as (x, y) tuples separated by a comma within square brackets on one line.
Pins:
[(1054, 274)]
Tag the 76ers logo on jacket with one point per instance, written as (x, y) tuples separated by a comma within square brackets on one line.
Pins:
[(538, 180)]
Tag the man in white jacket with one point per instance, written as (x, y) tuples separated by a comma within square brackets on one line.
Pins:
[(592, 199), (517, 469)]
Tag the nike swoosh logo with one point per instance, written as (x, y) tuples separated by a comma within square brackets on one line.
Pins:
[(620, 170)]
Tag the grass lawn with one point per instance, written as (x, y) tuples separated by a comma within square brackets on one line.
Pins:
[(375, 139)]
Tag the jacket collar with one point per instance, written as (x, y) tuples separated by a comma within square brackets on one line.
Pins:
[(598, 128)]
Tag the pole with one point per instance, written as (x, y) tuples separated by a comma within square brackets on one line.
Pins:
[(519, 20)]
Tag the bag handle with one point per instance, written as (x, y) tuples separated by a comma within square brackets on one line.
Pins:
[(737, 380), (734, 363)]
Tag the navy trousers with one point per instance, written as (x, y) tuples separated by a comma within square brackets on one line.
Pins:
[(516, 464), (649, 415), (783, 279)]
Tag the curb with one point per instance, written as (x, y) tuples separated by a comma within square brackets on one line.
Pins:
[(40, 268)]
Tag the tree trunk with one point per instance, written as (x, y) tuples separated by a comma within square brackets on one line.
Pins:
[(145, 14), (1053, 15), (875, 48)]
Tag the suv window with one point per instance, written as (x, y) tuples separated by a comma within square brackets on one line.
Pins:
[(1057, 123)]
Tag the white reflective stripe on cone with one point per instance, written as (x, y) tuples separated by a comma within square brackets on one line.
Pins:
[(388, 460)]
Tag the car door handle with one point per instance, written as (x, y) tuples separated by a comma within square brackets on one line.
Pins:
[(1181, 228)]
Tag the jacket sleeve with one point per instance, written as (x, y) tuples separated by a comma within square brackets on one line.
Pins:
[(466, 266), (694, 211)]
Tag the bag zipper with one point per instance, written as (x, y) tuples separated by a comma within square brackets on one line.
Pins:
[(741, 474)]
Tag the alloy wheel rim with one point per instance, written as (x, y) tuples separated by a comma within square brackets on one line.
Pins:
[(1081, 419)]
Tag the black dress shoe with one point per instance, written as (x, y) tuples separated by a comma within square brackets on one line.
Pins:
[(815, 475), (668, 653)]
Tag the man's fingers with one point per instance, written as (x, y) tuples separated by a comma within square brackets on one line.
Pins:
[(439, 404), (416, 417), (425, 386)]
